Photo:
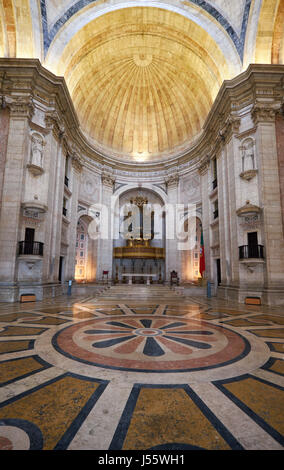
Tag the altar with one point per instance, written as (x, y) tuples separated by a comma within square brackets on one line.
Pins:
[(137, 256), (147, 276)]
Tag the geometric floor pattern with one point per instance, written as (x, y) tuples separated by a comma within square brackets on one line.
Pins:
[(80, 374)]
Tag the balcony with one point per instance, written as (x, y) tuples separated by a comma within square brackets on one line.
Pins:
[(247, 252), (31, 248)]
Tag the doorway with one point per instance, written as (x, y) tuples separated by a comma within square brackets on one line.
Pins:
[(218, 266), (29, 241), (252, 245), (60, 272)]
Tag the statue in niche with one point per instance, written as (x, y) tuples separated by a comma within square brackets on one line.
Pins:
[(37, 149), (248, 159)]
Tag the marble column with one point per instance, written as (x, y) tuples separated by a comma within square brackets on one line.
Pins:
[(264, 118), (73, 207), (173, 261), (205, 182), (4, 132), (105, 243), (56, 193), (280, 152), (16, 160)]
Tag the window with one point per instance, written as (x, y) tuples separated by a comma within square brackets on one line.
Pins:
[(64, 206), (66, 178), (214, 173), (216, 210), (252, 245)]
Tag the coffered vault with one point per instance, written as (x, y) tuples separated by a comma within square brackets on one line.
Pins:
[(143, 75)]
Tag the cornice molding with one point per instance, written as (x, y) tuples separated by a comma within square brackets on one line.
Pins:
[(260, 87)]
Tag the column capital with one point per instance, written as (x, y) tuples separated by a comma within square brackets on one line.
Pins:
[(108, 180), (228, 127), (53, 124), (204, 165), (76, 162), (263, 113), (21, 107), (172, 181)]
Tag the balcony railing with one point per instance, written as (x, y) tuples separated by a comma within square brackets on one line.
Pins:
[(247, 252), (215, 183), (31, 248)]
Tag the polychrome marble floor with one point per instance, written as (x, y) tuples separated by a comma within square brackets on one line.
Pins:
[(89, 374)]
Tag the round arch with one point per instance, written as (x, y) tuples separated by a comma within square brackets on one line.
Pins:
[(191, 12), (86, 250), (150, 262), (151, 187)]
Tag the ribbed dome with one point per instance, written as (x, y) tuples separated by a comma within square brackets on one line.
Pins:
[(142, 81)]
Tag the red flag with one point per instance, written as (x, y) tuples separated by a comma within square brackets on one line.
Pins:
[(202, 256)]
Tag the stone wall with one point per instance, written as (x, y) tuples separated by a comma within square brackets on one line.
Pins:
[(243, 132)]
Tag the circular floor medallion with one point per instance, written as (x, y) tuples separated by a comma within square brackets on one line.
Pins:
[(143, 344)]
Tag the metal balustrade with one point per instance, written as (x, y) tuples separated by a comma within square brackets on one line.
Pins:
[(31, 248), (253, 251)]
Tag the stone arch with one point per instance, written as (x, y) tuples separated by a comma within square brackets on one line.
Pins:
[(147, 265), (151, 187), (269, 40), (86, 249), (190, 258), (277, 53), (91, 12), (9, 28)]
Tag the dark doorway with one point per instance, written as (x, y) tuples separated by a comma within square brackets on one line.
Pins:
[(29, 241), (252, 245), (60, 273), (29, 235), (218, 265)]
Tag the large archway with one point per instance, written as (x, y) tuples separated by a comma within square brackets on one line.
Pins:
[(139, 244), (191, 264), (86, 252)]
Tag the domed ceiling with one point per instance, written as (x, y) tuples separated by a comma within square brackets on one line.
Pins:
[(143, 78)]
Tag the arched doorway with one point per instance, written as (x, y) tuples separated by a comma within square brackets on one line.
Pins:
[(139, 242), (86, 252), (191, 259)]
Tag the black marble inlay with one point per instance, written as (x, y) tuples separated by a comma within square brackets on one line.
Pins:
[(152, 348), (111, 342), (189, 342)]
